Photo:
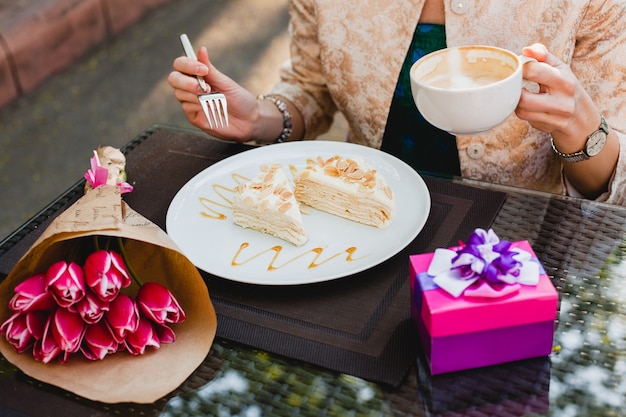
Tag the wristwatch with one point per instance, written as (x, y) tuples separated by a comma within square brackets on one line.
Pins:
[(593, 146)]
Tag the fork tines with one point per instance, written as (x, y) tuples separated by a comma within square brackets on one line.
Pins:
[(215, 109)]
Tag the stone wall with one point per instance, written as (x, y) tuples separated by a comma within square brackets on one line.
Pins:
[(41, 37)]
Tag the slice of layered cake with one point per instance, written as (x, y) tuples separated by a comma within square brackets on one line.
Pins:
[(348, 188), (267, 204)]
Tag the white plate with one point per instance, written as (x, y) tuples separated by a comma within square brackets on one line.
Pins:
[(213, 244)]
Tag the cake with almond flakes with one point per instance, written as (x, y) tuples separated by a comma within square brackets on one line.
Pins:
[(346, 187), (267, 204)]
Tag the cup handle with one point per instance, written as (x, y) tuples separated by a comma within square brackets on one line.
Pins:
[(526, 83), (525, 59)]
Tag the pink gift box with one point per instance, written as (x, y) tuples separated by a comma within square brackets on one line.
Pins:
[(464, 333)]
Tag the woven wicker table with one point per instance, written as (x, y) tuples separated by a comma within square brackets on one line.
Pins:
[(580, 243)]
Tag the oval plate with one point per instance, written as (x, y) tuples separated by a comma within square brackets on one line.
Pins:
[(199, 220)]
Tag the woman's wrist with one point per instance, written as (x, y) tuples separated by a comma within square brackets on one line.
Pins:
[(268, 123), (591, 178), (287, 127), (575, 139), (277, 121)]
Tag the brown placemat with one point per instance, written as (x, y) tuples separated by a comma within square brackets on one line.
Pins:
[(361, 324), (358, 325)]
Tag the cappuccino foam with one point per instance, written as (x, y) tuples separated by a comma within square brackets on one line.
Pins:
[(462, 81)]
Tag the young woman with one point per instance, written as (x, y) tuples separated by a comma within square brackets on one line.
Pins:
[(353, 56)]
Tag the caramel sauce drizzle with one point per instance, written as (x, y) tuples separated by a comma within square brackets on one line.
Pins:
[(212, 213), (273, 266), (213, 210)]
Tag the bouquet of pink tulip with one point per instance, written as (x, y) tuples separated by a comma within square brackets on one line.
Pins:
[(77, 313), (72, 309)]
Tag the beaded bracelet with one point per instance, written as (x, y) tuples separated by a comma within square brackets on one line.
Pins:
[(282, 107)]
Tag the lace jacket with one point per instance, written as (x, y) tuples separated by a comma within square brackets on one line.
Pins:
[(346, 55)]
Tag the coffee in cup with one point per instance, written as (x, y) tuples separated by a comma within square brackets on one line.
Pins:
[(467, 90)]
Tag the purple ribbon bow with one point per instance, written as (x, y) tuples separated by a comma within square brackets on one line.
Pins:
[(492, 265)]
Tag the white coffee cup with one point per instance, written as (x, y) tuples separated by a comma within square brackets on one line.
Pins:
[(467, 90)]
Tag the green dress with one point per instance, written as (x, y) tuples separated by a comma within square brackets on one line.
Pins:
[(408, 135)]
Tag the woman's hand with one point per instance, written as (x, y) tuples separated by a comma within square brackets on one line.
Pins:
[(562, 107), (243, 109), (565, 110)]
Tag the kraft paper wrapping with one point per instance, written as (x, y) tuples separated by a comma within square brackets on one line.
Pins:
[(120, 377)]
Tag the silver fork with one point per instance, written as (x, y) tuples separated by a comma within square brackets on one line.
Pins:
[(213, 104)]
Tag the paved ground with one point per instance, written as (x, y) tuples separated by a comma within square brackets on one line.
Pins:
[(119, 88)]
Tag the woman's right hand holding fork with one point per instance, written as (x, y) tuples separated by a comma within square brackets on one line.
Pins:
[(249, 118)]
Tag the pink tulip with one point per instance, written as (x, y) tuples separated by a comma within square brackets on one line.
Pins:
[(122, 317), (31, 295), (98, 342), (23, 329), (106, 274), (68, 329), (145, 335), (164, 333), (66, 282), (47, 348), (159, 304), (91, 308)]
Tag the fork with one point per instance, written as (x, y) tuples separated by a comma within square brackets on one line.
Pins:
[(213, 104)]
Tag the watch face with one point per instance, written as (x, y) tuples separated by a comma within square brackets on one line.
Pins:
[(595, 143)]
